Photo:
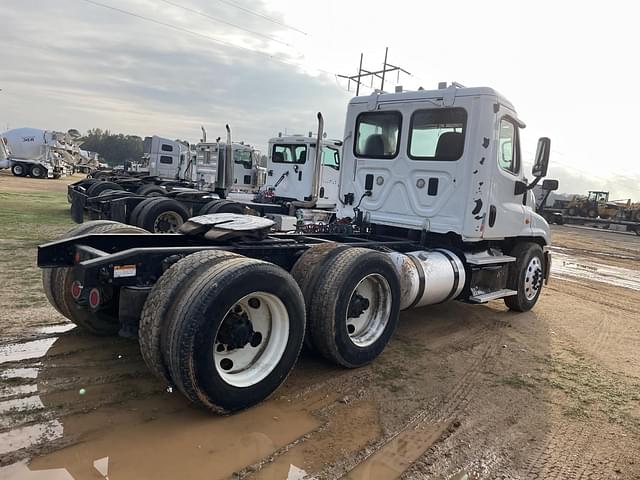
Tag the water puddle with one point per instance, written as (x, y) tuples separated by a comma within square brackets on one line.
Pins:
[(564, 265), (56, 329), (397, 455), (96, 396), (16, 352), (350, 428), (17, 373), (28, 436)]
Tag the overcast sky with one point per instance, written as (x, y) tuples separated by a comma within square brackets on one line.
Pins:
[(566, 66)]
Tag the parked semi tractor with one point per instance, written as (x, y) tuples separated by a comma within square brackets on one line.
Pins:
[(298, 187), (40, 153), (431, 183), (183, 176)]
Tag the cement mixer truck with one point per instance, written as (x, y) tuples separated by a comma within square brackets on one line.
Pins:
[(39, 153)]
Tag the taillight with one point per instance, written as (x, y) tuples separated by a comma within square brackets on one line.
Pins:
[(76, 290), (94, 298)]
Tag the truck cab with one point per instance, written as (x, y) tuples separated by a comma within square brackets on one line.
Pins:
[(165, 157), (444, 161), (291, 169), (248, 174)]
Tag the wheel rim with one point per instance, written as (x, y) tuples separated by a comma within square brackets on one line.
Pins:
[(167, 222), (533, 278), (36, 172), (18, 170), (369, 310), (251, 339)]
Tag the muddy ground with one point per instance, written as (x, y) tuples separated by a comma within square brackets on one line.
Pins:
[(461, 391)]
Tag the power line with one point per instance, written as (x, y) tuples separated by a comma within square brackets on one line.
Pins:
[(215, 19), (258, 14), (205, 36)]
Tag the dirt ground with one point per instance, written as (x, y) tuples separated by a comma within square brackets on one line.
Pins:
[(461, 392)]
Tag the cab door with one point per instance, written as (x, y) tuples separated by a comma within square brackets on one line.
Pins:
[(288, 172), (329, 177), (507, 215)]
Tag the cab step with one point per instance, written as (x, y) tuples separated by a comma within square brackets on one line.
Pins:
[(486, 297), (486, 258)]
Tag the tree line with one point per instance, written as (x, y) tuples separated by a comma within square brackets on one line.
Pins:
[(113, 148)]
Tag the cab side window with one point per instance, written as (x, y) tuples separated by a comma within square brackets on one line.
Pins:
[(331, 158), (508, 147), (289, 154)]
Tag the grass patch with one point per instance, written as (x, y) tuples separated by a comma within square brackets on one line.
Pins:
[(516, 381), (30, 217)]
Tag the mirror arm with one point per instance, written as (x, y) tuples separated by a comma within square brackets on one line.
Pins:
[(534, 183)]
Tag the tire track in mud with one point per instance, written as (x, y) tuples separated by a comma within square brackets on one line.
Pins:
[(430, 425), (570, 453)]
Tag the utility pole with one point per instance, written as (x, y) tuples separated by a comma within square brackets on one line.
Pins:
[(377, 74)]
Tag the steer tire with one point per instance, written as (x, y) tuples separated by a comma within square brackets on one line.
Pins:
[(151, 216), (57, 285), (19, 170), (151, 190), (97, 188), (524, 253), (307, 271), (330, 300), (163, 296), (192, 329)]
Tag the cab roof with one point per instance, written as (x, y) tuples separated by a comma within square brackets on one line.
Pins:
[(441, 93)]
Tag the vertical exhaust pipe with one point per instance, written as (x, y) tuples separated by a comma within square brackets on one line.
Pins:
[(228, 161), (315, 191), (204, 134)]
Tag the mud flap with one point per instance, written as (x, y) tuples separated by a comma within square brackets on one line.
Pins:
[(129, 309), (547, 266), (77, 210)]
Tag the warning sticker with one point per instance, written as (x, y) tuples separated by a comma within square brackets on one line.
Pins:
[(120, 271)]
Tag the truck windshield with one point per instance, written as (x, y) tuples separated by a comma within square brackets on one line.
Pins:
[(377, 134), (289, 154), (437, 134)]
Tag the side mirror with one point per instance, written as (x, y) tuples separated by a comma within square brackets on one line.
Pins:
[(550, 185), (542, 158)]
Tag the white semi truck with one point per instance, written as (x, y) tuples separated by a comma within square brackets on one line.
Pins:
[(433, 186), (40, 153), (298, 186)]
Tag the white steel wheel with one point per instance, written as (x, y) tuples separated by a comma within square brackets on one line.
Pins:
[(533, 278), (369, 310), (251, 340), (168, 222)]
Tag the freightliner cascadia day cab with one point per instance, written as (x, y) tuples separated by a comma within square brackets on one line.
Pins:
[(433, 191)]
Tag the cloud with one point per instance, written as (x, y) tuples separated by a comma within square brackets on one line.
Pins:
[(113, 71)]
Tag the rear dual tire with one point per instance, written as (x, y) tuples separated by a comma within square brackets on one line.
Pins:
[(159, 215), (352, 297), (19, 170), (230, 335)]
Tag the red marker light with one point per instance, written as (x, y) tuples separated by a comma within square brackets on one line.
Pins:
[(76, 290), (76, 257), (94, 298)]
